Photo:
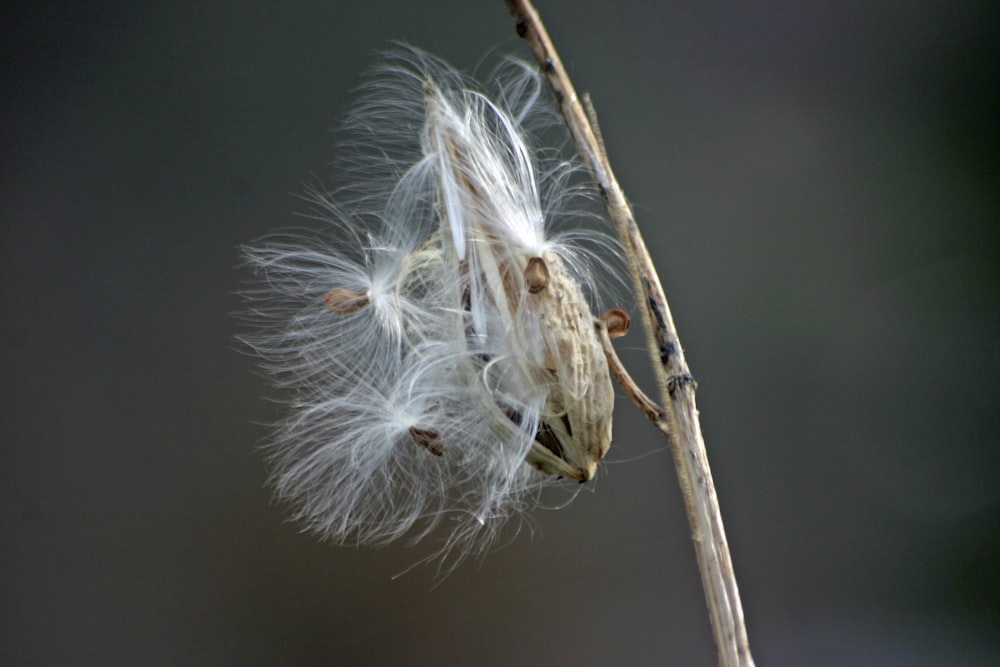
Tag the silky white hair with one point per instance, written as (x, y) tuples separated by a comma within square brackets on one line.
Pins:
[(418, 372)]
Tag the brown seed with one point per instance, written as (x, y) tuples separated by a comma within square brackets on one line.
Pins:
[(345, 301), (536, 274), (617, 321), (429, 440)]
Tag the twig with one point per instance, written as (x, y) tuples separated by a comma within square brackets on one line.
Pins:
[(678, 419), (649, 407)]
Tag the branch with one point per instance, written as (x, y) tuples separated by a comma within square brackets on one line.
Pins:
[(645, 403), (678, 419)]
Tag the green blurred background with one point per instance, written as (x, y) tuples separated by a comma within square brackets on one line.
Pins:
[(818, 183)]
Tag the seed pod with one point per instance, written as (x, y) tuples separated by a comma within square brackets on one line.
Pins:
[(553, 343)]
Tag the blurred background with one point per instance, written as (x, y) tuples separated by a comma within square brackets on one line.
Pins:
[(818, 185)]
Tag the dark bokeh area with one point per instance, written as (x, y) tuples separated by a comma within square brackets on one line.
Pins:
[(818, 184)]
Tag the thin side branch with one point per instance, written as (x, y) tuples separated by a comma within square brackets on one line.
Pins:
[(676, 385), (649, 407)]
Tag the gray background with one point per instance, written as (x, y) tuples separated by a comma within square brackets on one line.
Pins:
[(818, 184)]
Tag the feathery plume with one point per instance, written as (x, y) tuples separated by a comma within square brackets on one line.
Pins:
[(434, 333)]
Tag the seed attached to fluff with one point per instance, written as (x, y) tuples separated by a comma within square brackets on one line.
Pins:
[(536, 274), (345, 301), (617, 322), (429, 440)]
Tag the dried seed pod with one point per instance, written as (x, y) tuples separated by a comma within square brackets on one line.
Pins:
[(580, 399), (553, 344)]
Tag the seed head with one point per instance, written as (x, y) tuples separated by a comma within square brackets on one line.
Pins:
[(434, 335)]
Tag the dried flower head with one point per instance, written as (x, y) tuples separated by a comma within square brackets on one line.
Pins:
[(434, 334)]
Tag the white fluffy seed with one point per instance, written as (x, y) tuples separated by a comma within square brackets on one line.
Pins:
[(434, 334)]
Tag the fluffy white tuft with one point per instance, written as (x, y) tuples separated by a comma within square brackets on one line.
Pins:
[(422, 372)]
